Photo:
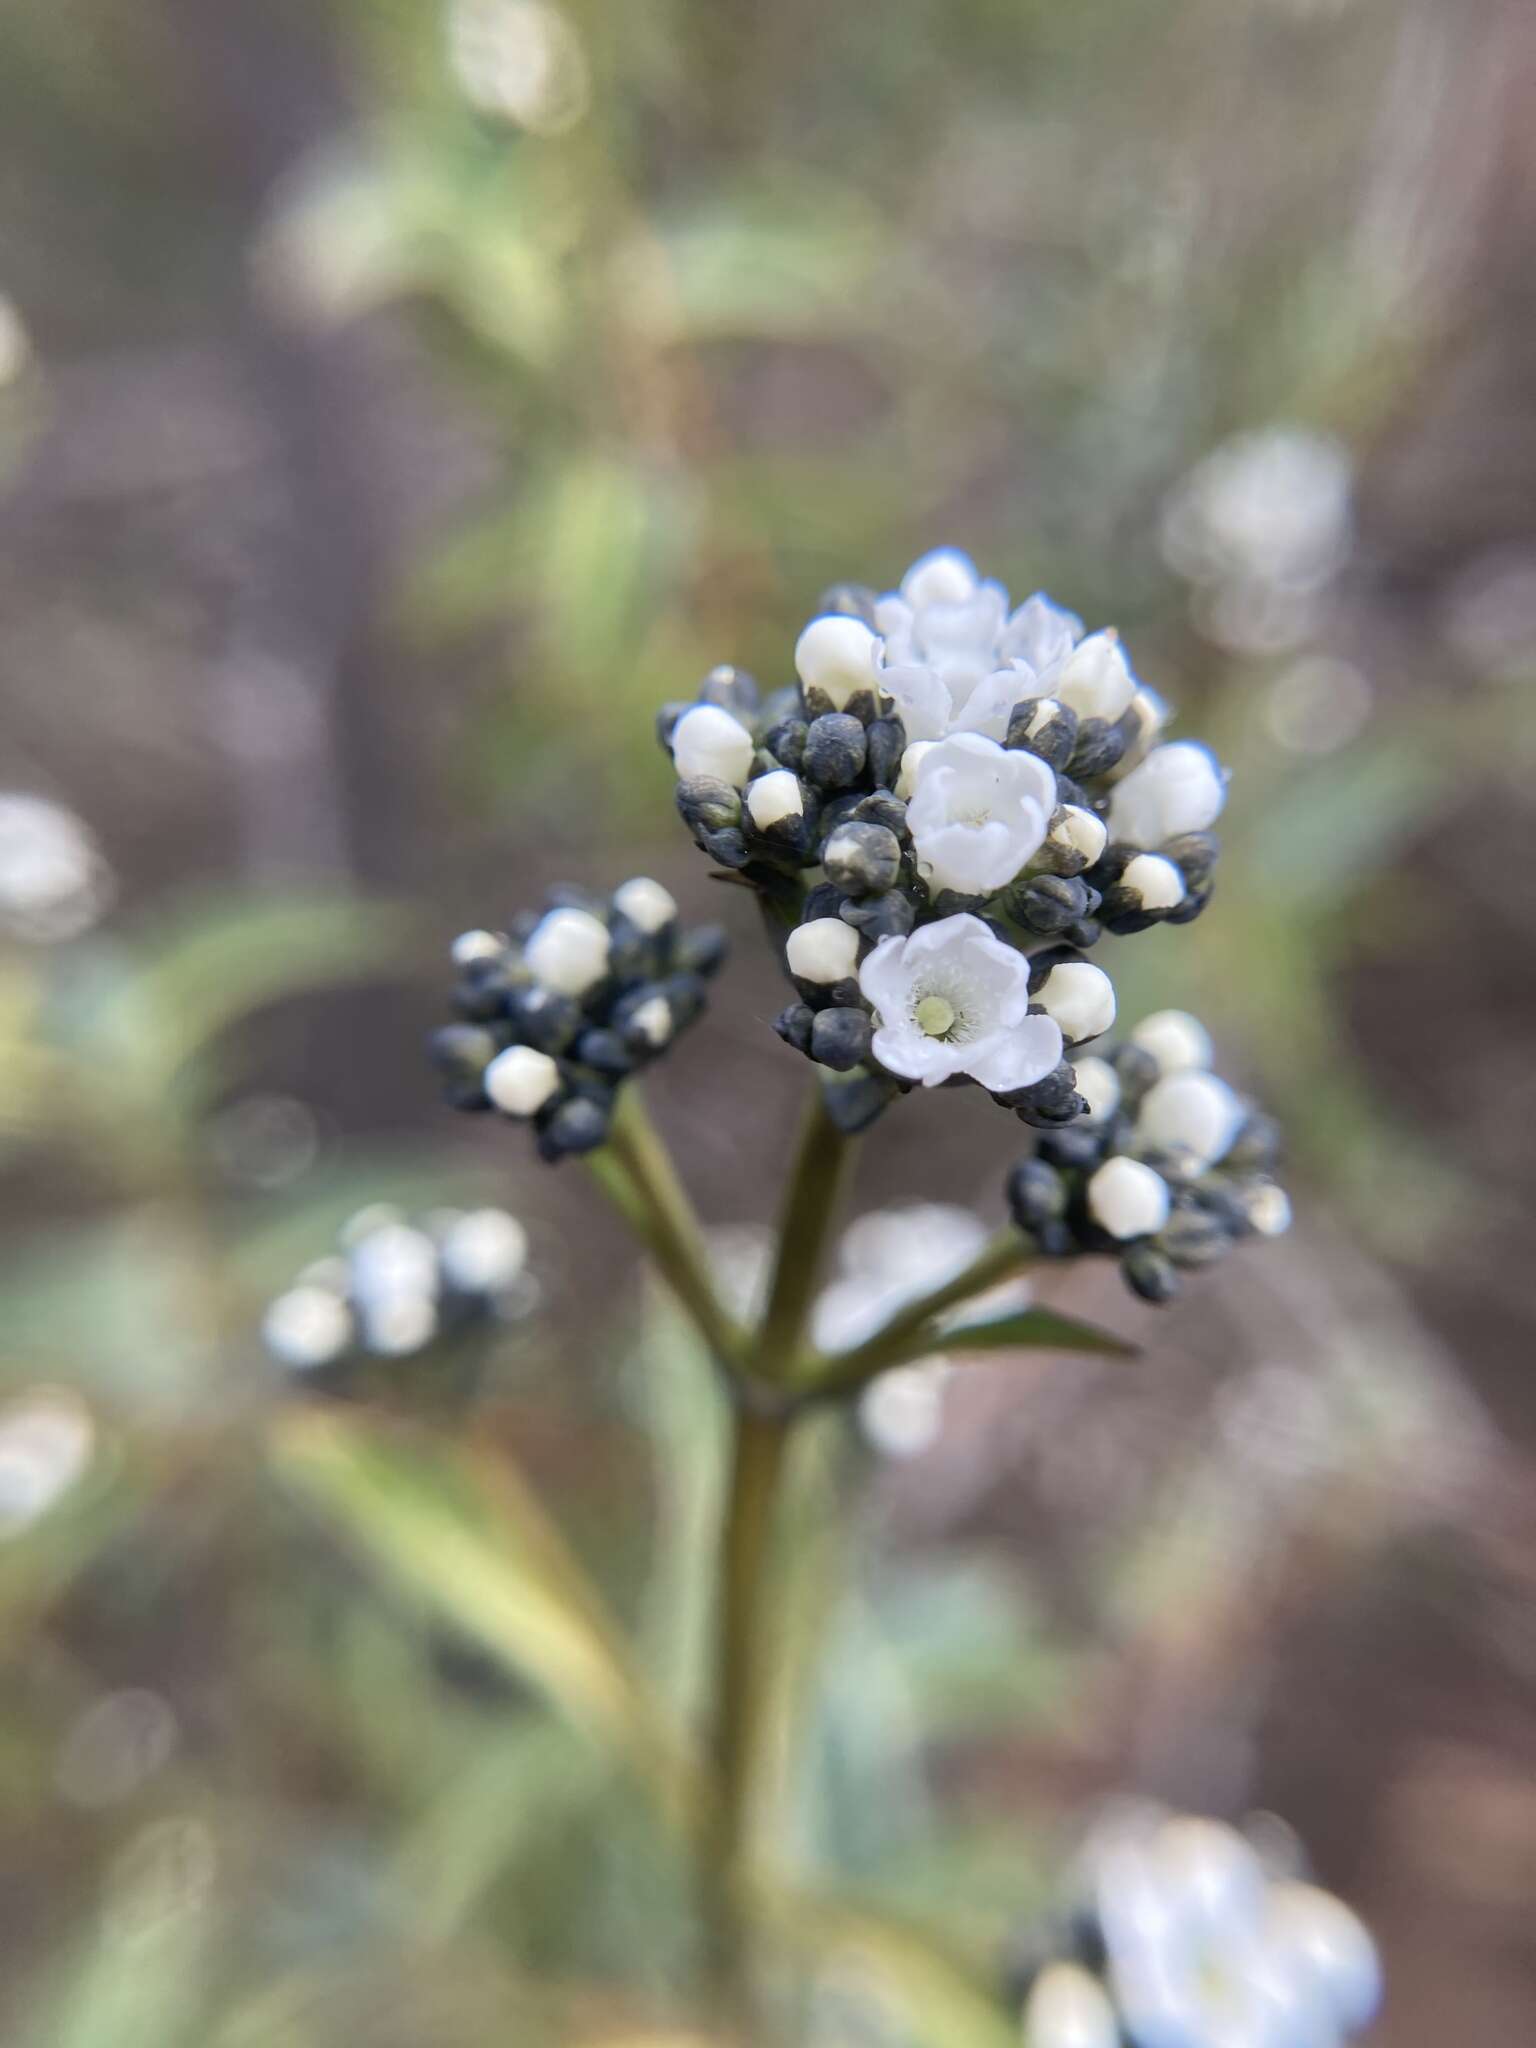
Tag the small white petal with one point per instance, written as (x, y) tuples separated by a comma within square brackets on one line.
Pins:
[(1126, 1198), (307, 1327), (1214, 1871), (773, 798), (708, 741), (823, 950), (1075, 830), (1193, 1113), (977, 813), (1175, 1039), (568, 951), (521, 1080), (1081, 998), (837, 657), (653, 1020), (1095, 679), (1178, 788), (484, 1252), (1099, 1086), (648, 906), (911, 761), (1156, 882), (1328, 1945), (942, 576), (1068, 2009)]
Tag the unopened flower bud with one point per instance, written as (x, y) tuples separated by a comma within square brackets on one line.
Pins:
[(835, 748), (785, 742), (710, 741), (1048, 904), (708, 804), (1074, 841), (836, 656), (887, 916), (1194, 1237), (1128, 1198), (1037, 1194), (1175, 1039), (1068, 2008), (461, 1053), (885, 743), (1099, 1086), (308, 1327), (1153, 882), (775, 799), (1044, 726), (1179, 788), (1150, 1273), (911, 761), (840, 1038), (1080, 997), (1268, 1209), (863, 860), (568, 951), (794, 1026), (701, 949), (1192, 1114), (649, 907), (520, 1081), (471, 949), (580, 1125), (826, 950), (1098, 747), (732, 689), (1096, 680)]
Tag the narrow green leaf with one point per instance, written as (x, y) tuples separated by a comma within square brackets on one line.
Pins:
[(1034, 1329), (466, 1541)]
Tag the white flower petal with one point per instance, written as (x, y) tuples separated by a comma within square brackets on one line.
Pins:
[(837, 656), (922, 702), (942, 576), (1067, 2008), (1021, 1057), (1317, 1937), (1178, 788), (1175, 1039), (978, 813), (1095, 679)]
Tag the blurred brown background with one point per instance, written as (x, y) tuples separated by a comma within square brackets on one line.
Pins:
[(397, 402)]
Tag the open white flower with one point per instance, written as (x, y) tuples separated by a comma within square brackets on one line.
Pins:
[(951, 998), (1205, 1949), (1178, 788), (956, 660), (978, 813)]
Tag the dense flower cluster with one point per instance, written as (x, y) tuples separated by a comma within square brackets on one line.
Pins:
[(394, 1287), (953, 787), (1190, 1935), (1166, 1171), (559, 1009)]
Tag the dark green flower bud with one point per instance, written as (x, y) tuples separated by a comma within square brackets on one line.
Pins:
[(605, 1052), (1048, 1104), (885, 743), (825, 900), (707, 804), (1149, 1273), (460, 1054), (732, 689), (579, 1124), (880, 808), (835, 750), (1073, 1147), (1257, 1146), (545, 1020), (795, 1024), (840, 1038), (1194, 854), (887, 916), (1040, 725), (862, 860), (1048, 904), (854, 1101), (701, 950), (728, 847), (1098, 749), (786, 743), (1036, 1194), (1193, 1237), (847, 601)]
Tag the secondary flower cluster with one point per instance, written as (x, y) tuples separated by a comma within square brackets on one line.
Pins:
[(559, 1009), (394, 1287), (1166, 1171), (1189, 1936), (953, 786)]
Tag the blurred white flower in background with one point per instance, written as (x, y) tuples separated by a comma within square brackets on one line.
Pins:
[(46, 1442), (54, 883), (1259, 527), (118, 1743), (1318, 704), (521, 60), (15, 344)]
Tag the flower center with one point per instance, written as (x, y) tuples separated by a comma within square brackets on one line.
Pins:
[(934, 1015)]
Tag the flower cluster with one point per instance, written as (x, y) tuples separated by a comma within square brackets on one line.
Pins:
[(1168, 1168), (953, 786), (395, 1287), (1192, 1935), (559, 1009)]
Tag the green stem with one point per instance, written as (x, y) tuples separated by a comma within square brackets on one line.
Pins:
[(815, 1187), (635, 1171), (909, 1333)]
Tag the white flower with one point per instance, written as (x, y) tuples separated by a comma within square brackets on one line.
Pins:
[(484, 1251), (397, 1324), (53, 882), (911, 761), (773, 798), (978, 813), (1127, 1198), (1080, 997), (837, 656), (888, 1258), (1193, 1114), (1178, 788), (1205, 1951), (1068, 2009), (308, 1326), (824, 949), (394, 1260), (955, 660), (648, 906), (47, 1440), (521, 1080), (902, 1412), (521, 60), (1175, 1039), (1265, 507), (568, 951), (707, 740), (953, 999)]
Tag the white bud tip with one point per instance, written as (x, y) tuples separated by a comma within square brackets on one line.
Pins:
[(521, 1080), (648, 906), (1330, 1947), (1128, 1199), (1269, 1210), (1099, 1086), (399, 1324), (837, 657), (484, 1252), (825, 950), (1156, 882), (653, 1020), (307, 1327), (1081, 998), (1069, 2009), (773, 798), (469, 947), (568, 951), (911, 761), (1079, 831), (1175, 1039), (709, 741), (1193, 1113)]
